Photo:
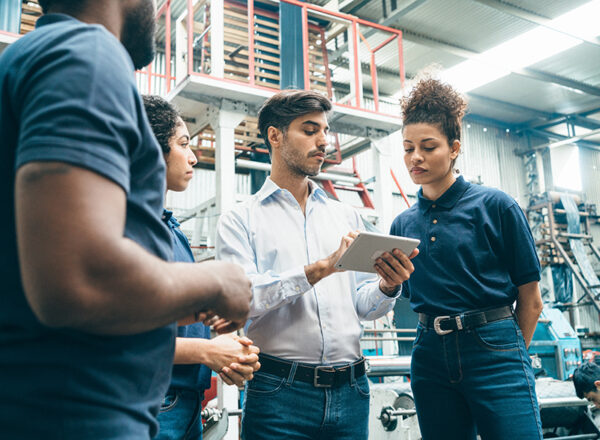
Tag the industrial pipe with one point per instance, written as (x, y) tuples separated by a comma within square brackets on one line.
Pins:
[(388, 365)]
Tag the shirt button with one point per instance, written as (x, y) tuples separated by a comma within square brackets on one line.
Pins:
[(434, 206), (432, 238), (435, 221), (297, 288)]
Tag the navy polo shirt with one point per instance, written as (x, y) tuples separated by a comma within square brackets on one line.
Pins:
[(476, 249), (194, 377), (68, 94)]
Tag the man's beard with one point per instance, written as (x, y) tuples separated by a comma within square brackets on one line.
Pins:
[(294, 161), (138, 33)]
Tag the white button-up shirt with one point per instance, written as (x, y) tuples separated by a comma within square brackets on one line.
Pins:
[(273, 240)]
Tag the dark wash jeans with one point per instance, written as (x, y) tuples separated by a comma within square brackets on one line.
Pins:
[(475, 381), (179, 416), (278, 408)]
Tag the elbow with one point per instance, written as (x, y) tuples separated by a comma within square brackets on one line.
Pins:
[(537, 305), (58, 306)]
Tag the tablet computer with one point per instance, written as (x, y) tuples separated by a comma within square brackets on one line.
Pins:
[(368, 246)]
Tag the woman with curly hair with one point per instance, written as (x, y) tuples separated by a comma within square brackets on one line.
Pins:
[(235, 359), (470, 371)]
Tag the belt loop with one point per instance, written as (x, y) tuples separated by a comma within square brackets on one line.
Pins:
[(290, 377), (460, 321), (352, 379)]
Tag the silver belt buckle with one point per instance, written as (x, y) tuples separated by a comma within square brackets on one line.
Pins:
[(316, 377), (437, 328)]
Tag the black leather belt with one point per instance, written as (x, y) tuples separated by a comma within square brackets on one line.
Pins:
[(321, 376), (464, 321)]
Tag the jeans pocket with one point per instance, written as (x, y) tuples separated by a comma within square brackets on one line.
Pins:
[(419, 335), (264, 384), (169, 402), (362, 386), (500, 335)]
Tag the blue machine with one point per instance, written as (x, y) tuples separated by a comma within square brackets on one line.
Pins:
[(555, 346)]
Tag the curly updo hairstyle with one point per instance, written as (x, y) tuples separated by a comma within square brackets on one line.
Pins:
[(433, 102)]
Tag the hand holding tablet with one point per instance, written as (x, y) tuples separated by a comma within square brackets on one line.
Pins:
[(363, 252)]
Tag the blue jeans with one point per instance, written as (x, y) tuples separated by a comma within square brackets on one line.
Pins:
[(278, 408), (179, 416), (475, 381)]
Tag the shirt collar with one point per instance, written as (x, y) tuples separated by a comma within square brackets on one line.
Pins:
[(53, 18), (446, 200), (269, 188), (167, 217)]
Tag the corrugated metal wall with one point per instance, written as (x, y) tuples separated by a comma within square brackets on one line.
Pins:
[(202, 188), (589, 164)]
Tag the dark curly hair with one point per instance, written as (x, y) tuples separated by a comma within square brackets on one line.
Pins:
[(69, 5), (434, 102), (164, 119), (282, 108)]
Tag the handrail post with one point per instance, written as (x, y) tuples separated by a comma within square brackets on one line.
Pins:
[(168, 45), (305, 48), (217, 38), (190, 37), (251, 72), (356, 86)]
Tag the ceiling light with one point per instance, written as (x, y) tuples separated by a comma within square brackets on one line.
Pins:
[(526, 49)]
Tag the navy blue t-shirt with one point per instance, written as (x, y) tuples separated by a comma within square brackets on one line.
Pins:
[(476, 249), (193, 377), (68, 94)]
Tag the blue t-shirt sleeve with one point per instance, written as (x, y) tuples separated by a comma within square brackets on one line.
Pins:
[(78, 107), (519, 251)]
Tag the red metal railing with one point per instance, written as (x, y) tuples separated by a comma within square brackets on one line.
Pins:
[(167, 77), (308, 10), (10, 34), (399, 188)]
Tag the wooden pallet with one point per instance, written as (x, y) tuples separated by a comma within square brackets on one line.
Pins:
[(30, 12), (266, 49), (246, 136)]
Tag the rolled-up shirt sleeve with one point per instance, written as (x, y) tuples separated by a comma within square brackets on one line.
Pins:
[(370, 302), (270, 290)]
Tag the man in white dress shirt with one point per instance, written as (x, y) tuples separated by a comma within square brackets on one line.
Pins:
[(305, 313)]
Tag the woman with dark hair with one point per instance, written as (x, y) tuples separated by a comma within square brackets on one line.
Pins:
[(470, 370), (234, 358)]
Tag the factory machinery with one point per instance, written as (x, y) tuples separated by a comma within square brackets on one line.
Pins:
[(564, 416), (561, 224)]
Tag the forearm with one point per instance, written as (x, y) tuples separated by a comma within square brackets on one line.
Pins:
[(126, 290), (318, 270), (79, 271), (192, 351), (528, 309)]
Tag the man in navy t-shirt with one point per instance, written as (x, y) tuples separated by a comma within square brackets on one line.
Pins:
[(88, 297)]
